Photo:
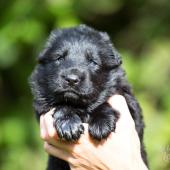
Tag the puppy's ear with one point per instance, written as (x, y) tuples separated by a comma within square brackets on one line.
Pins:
[(104, 36), (114, 59), (42, 57)]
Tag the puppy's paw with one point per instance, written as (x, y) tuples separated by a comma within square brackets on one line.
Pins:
[(69, 128), (101, 129), (103, 121)]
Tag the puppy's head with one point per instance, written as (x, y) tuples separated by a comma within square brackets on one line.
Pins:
[(75, 64)]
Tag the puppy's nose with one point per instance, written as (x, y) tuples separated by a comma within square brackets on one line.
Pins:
[(72, 79)]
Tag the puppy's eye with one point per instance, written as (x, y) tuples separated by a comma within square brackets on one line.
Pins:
[(92, 61), (61, 57)]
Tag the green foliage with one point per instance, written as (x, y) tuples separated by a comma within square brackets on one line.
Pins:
[(139, 29)]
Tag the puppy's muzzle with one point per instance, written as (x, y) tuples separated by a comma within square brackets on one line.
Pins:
[(73, 77)]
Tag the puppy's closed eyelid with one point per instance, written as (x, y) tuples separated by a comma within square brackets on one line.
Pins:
[(60, 57), (90, 58)]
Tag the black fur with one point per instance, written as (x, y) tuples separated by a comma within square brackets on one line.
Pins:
[(78, 71)]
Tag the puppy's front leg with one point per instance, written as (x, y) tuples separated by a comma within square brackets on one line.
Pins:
[(103, 121), (68, 124)]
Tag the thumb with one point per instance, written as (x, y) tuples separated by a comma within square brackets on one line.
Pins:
[(125, 122)]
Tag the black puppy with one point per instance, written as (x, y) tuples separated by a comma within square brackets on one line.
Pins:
[(78, 71)]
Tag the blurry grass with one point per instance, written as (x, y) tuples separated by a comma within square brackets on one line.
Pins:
[(24, 158), (20, 145)]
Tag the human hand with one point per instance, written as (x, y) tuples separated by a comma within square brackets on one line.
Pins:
[(120, 151)]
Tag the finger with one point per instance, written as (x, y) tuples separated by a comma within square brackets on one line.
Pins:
[(57, 152), (119, 104), (43, 129), (49, 124)]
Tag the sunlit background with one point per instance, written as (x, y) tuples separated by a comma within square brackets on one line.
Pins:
[(140, 30)]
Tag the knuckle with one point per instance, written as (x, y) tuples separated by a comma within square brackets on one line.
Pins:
[(52, 133), (46, 146), (44, 137)]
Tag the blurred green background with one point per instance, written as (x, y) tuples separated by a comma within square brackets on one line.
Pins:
[(140, 30)]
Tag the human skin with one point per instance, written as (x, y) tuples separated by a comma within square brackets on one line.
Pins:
[(120, 151)]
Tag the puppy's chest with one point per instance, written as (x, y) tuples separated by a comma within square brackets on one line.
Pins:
[(85, 118), (83, 114), (71, 110)]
